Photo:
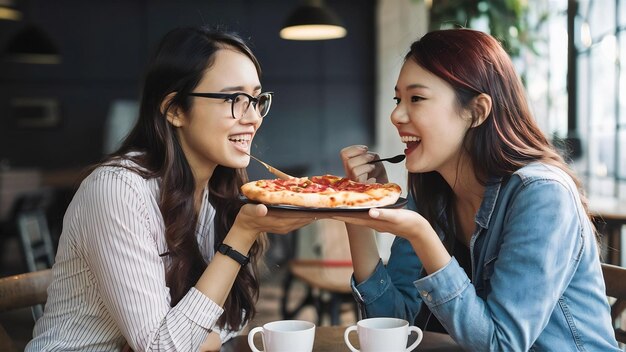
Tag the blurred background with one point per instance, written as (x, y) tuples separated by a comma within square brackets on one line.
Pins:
[(71, 71)]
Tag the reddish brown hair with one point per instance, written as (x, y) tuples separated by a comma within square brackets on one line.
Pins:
[(473, 62)]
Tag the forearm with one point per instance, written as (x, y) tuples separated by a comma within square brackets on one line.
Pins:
[(219, 276), (184, 327), (430, 250), (389, 290), (364, 251)]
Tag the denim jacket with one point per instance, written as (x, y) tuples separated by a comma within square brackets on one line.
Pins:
[(537, 280)]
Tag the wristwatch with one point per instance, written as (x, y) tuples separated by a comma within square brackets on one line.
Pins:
[(233, 254)]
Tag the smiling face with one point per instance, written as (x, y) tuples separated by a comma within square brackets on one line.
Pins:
[(429, 120), (208, 133)]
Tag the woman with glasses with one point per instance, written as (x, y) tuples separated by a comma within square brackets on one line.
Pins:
[(496, 248), (157, 251)]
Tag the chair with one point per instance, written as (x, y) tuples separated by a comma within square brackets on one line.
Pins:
[(327, 288), (327, 277), (32, 226), (21, 291), (13, 183), (615, 282)]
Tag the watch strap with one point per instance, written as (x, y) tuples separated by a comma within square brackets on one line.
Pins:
[(235, 255)]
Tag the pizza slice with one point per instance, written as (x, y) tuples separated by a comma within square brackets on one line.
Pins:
[(326, 191)]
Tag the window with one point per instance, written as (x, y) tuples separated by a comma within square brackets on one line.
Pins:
[(601, 47), (599, 119)]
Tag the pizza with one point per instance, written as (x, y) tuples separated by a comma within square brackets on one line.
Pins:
[(327, 191)]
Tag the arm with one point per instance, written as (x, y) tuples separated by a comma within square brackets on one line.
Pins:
[(385, 291), (404, 223), (252, 220), (537, 257), (124, 260), (363, 248), (390, 291), (129, 272)]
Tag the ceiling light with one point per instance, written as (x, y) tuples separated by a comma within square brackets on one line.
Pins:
[(312, 21), (8, 11), (33, 46)]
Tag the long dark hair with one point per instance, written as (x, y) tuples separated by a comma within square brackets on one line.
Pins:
[(181, 59), (473, 62)]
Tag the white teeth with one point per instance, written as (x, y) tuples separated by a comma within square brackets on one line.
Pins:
[(241, 137), (406, 139)]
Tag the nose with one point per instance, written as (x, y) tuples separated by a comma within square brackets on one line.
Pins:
[(399, 115), (251, 115)]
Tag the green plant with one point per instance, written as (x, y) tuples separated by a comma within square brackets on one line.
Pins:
[(506, 20)]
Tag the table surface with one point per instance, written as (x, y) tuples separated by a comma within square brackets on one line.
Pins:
[(330, 339)]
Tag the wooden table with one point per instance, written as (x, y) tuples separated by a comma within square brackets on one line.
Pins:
[(610, 216), (330, 339)]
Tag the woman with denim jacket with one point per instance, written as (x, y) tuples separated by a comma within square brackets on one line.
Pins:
[(497, 247)]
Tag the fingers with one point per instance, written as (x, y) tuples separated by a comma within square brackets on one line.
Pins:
[(286, 226), (259, 218), (389, 215), (352, 220), (352, 151), (355, 161), (361, 172), (260, 210), (374, 216), (256, 210)]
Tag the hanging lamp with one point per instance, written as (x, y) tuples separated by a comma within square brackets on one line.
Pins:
[(32, 45), (313, 21), (8, 11)]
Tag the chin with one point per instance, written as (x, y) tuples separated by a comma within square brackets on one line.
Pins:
[(233, 165), (412, 167), (418, 169), (235, 161)]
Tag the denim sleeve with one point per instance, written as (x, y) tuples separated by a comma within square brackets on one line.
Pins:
[(389, 291), (540, 242)]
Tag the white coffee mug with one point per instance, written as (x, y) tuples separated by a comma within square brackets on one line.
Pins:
[(383, 334), (284, 336)]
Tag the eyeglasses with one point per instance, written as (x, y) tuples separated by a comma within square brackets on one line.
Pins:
[(240, 102)]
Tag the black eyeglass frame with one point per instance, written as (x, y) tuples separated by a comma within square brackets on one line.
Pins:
[(233, 96)]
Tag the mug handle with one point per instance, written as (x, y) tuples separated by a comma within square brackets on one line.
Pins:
[(251, 338), (420, 335), (346, 334)]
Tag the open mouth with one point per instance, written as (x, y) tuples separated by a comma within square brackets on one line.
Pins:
[(241, 141), (411, 142)]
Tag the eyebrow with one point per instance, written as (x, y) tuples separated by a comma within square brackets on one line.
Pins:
[(240, 88), (412, 86)]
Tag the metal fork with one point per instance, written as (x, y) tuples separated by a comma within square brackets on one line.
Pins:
[(273, 170)]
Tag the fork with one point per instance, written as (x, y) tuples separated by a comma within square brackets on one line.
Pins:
[(394, 159), (273, 170)]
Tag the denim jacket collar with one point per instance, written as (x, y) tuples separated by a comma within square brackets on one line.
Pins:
[(487, 206)]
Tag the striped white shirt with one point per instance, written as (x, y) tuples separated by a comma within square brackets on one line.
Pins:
[(109, 280)]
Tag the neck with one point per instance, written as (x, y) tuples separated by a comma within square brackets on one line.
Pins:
[(201, 176), (468, 191)]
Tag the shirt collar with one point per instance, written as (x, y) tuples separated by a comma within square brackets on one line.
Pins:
[(492, 190)]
